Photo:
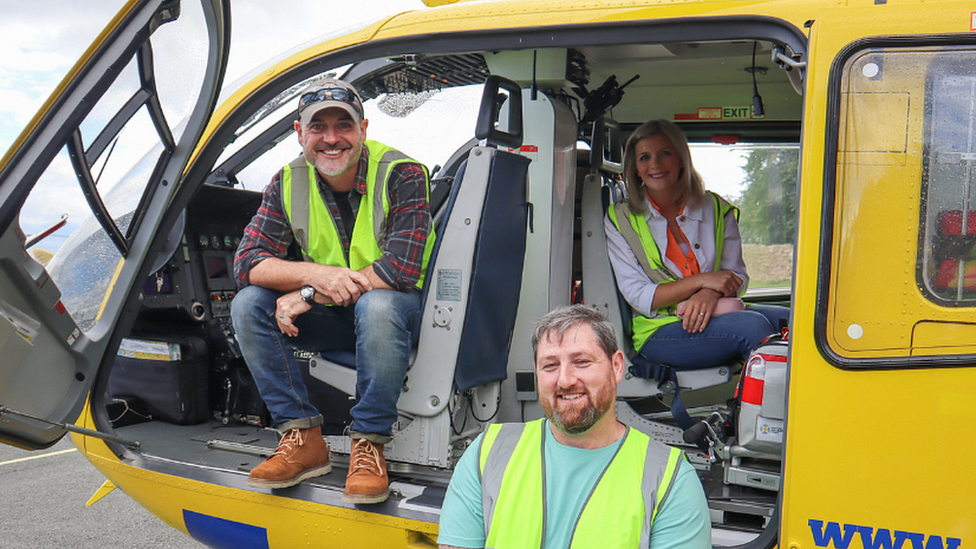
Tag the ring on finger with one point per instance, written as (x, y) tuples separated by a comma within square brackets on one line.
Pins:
[(701, 313)]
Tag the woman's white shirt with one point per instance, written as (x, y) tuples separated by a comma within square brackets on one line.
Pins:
[(697, 221)]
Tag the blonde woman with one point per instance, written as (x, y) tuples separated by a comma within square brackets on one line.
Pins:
[(677, 257)]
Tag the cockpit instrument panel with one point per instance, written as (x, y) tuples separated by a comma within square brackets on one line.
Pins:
[(199, 278)]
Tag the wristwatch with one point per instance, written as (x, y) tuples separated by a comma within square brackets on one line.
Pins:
[(308, 294)]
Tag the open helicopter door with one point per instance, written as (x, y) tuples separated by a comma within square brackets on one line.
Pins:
[(889, 134), (159, 63)]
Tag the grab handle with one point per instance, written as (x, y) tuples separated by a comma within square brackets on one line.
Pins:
[(491, 103)]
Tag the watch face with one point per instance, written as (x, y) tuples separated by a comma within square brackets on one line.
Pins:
[(308, 293)]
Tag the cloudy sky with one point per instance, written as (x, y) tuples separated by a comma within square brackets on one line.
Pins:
[(38, 46), (40, 40)]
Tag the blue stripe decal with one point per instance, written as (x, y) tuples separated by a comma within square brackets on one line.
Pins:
[(224, 534)]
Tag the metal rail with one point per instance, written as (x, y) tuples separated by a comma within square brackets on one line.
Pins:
[(133, 444)]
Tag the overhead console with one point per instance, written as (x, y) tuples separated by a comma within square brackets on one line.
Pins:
[(558, 69)]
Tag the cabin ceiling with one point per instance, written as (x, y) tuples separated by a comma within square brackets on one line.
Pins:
[(675, 79)]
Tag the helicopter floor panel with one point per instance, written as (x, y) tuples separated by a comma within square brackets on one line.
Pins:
[(223, 454), (189, 443)]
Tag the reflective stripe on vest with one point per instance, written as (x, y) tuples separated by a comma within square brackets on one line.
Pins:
[(619, 511), (313, 225), (649, 257)]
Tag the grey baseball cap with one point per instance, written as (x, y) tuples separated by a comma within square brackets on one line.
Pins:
[(329, 92)]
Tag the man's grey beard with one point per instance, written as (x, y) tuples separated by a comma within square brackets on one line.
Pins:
[(333, 171)]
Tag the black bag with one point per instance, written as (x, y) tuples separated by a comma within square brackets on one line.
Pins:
[(167, 373)]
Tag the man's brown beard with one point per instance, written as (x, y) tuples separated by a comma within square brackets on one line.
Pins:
[(582, 420)]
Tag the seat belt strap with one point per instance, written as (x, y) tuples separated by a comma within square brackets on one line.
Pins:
[(657, 275)]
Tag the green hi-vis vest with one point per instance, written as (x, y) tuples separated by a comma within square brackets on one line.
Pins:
[(618, 513), (314, 228), (638, 236)]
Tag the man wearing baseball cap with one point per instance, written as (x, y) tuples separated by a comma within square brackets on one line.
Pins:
[(358, 210)]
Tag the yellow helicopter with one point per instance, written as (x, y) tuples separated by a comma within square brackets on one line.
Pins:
[(852, 125)]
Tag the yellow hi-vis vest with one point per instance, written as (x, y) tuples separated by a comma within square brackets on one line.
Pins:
[(651, 261), (313, 225), (618, 513)]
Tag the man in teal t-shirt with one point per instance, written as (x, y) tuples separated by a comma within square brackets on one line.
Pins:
[(602, 481)]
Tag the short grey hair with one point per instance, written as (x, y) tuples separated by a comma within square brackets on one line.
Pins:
[(559, 320)]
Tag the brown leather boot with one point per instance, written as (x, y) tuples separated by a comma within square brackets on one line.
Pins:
[(367, 481), (301, 454)]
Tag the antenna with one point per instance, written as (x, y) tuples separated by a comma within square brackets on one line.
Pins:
[(757, 103), (535, 87)]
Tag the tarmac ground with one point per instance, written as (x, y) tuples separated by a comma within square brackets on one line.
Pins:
[(44, 494)]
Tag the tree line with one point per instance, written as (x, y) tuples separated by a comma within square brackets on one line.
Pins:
[(767, 205)]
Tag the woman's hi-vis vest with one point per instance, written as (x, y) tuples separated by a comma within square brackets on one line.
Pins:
[(649, 256), (314, 228), (618, 513)]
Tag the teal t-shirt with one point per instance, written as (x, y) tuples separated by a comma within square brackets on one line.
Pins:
[(683, 521)]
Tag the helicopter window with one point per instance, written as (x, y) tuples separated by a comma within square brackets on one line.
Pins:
[(903, 231), (760, 179), (430, 125), (947, 271), (267, 128), (258, 173)]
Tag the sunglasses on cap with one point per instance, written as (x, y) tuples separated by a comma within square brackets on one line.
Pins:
[(331, 93)]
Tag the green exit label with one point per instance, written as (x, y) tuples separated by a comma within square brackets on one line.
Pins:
[(736, 112), (718, 113)]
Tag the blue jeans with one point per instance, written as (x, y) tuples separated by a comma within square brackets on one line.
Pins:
[(727, 338), (381, 328)]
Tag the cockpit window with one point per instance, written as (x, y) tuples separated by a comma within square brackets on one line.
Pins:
[(114, 159)]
